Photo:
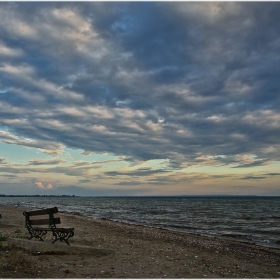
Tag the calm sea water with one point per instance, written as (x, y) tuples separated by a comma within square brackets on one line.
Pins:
[(255, 219)]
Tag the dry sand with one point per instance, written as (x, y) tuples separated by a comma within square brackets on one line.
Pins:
[(132, 252)]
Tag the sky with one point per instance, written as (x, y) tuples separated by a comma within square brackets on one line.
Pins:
[(139, 98)]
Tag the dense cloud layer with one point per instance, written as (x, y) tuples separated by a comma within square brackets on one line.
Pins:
[(192, 83)]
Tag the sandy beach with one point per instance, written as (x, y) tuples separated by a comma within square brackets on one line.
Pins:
[(132, 252)]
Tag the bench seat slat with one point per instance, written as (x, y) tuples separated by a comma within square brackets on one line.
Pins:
[(64, 229), (58, 229), (42, 229)]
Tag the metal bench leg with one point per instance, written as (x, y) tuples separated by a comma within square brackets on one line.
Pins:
[(37, 234), (62, 236)]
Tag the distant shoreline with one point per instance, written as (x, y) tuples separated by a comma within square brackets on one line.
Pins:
[(35, 195), (144, 196)]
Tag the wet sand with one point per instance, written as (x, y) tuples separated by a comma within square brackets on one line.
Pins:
[(136, 252)]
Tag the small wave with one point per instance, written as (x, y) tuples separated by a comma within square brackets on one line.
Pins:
[(235, 235), (275, 217), (181, 227)]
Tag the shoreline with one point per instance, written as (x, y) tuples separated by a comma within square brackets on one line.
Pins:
[(219, 236), (270, 244), (144, 252), (215, 235)]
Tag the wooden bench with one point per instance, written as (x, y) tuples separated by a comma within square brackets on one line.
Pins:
[(61, 234)]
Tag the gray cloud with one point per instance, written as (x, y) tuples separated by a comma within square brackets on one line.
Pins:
[(136, 173), (272, 174), (96, 191), (70, 170), (144, 80), (2, 161), (253, 178), (46, 162), (252, 164), (84, 181)]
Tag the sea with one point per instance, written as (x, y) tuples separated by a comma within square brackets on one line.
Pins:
[(247, 219)]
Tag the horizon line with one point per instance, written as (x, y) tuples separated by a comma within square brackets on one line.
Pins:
[(137, 196)]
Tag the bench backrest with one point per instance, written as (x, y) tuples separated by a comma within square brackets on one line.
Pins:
[(49, 211), (42, 212)]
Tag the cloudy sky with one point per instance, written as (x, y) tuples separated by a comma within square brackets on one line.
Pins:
[(130, 98)]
